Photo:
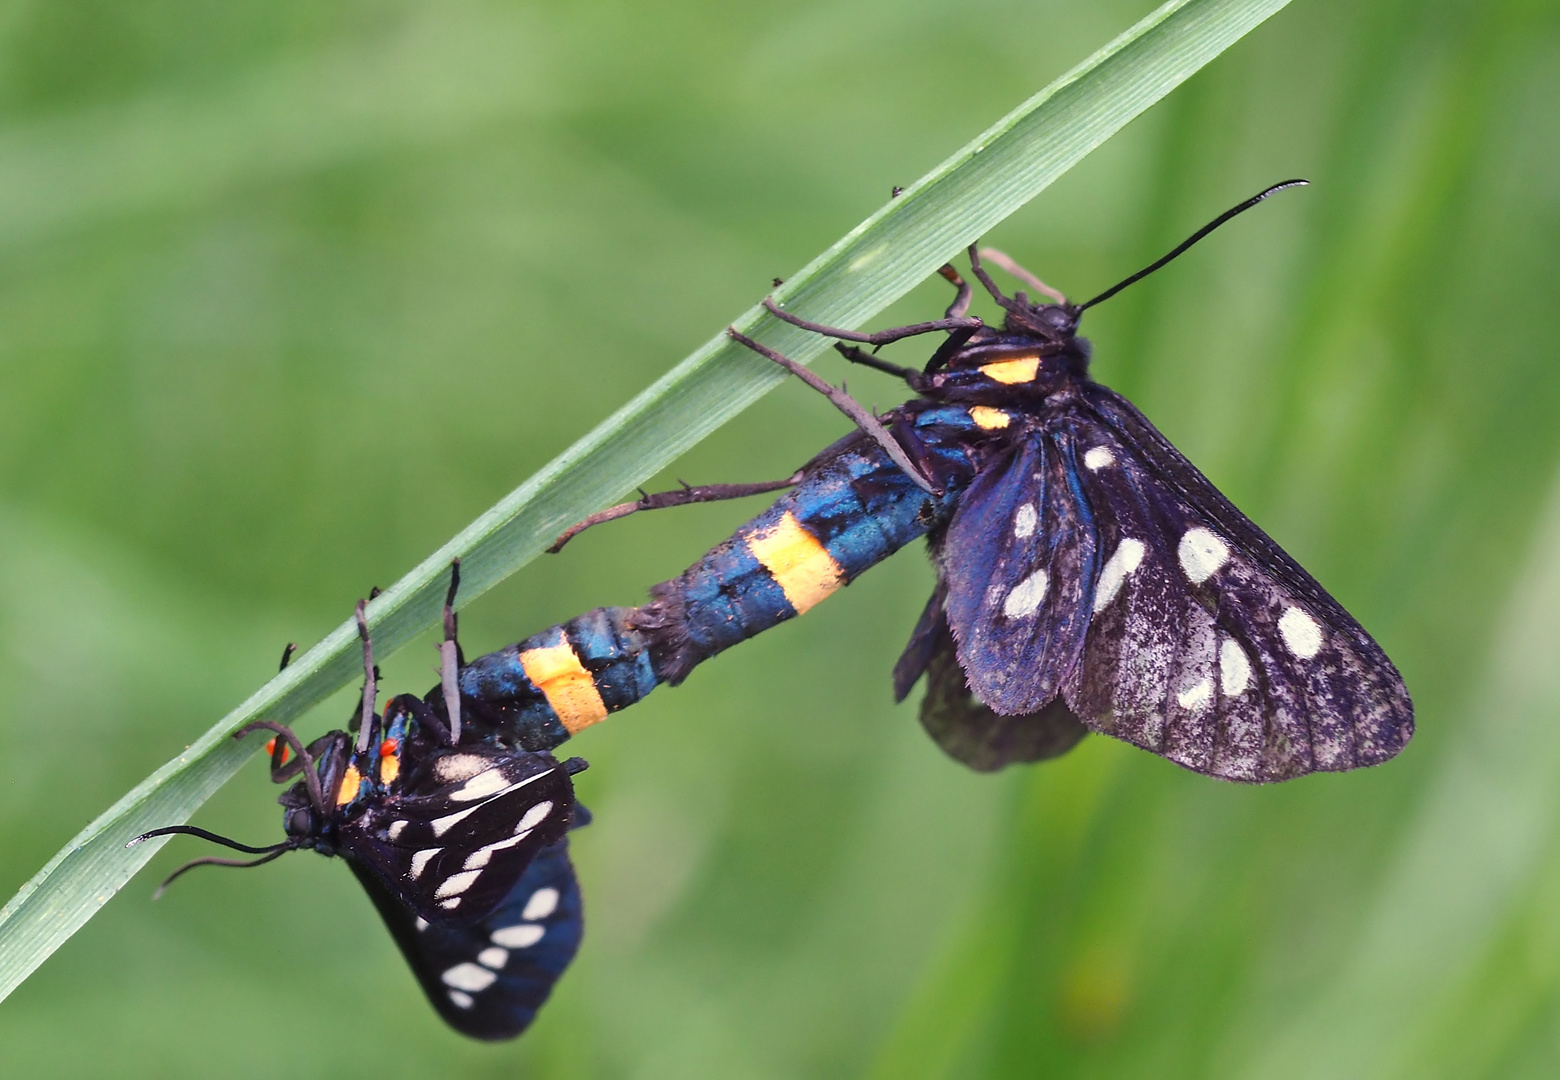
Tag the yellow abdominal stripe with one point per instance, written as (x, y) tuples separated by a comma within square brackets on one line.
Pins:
[(1020, 369), (989, 418), (800, 565), (350, 782), (568, 687)]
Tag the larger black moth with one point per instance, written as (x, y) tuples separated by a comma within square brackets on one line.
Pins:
[(1089, 577)]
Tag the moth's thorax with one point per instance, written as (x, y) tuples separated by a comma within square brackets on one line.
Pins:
[(1003, 368)]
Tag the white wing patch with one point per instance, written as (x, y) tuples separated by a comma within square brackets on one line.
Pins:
[(1127, 558), (456, 884), (1202, 554), (1025, 520), (449, 821), (543, 902), (454, 767), (518, 937), (1026, 596), (469, 977), (1098, 458), (494, 958), (420, 860), (1301, 633), (534, 817), (480, 786), (1234, 668), (1197, 695)]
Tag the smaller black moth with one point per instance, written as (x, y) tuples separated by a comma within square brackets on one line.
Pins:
[(459, 840)]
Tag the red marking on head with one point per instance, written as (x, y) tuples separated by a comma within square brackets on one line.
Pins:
[(270, 748), (388, 747)]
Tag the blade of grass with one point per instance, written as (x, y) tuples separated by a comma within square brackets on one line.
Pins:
[(869, 268)]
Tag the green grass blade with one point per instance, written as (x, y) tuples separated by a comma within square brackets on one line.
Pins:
[(869, 268)]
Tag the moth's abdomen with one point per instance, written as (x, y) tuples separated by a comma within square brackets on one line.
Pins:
[(850, 512), (853, 508), (538, 692)]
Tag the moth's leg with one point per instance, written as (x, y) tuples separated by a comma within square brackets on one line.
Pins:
[(961, 301), (278, 748), (881, 337), (1006, 302), (370, 684), (664, 499), (1008, 263), (856, 355), (304, 764), (847, 405), (450, 658)]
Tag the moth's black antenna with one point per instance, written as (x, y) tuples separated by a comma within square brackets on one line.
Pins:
[(192, 830), (1190, 240), (213, 860), (267, 853)]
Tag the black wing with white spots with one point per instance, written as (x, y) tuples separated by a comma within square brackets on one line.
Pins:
[(1162, 616), (453, 836), (488, 979)]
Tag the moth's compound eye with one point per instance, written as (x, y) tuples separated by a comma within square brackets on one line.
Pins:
[(299, 822)]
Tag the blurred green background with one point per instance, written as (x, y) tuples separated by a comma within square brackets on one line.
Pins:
[(290, 292)]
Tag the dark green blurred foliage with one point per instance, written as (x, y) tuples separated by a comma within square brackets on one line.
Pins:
[(290, 292)]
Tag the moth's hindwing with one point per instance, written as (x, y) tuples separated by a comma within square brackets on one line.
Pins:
[(1019, 560), (488, 979), (452, 840)]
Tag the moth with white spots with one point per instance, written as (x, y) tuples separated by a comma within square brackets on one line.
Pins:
[(463, 851), (1090, 578)]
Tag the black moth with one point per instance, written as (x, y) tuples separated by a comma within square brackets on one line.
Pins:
[(1090, 578), (459, 840)]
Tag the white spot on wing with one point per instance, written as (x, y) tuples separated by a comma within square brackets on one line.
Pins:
[(477, 859), (1026, 596), (1234, 668), (456, 884), (1025, 520), (1301, 633), (534, 817), (462, 1000), (451, 904), (1127, 558), (420, 860), (1098, 458), (518, 937), (468, 977), (480, 786), (1202, 554), (493, 958), (395, 830), (444, 824), (543, 903), (1196, 696), (422, 923), (456, 767)]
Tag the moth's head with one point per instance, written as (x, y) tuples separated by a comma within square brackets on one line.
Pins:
[(1054, 322), (301, 820)]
